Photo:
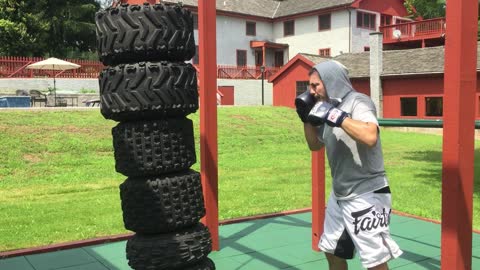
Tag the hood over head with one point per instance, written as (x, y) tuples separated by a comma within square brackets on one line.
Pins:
[(335, 79)]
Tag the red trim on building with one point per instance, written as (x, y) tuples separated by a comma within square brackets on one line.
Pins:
[(290, 63), (267, 44), (387, 7)]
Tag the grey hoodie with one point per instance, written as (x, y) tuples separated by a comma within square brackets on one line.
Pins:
[(356, 168)]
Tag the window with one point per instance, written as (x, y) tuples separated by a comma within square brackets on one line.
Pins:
[(258, 58), (385, 20), (324, 22), (408, 106), (324, 52), (241, 58), (288, 28), (302, 86), (195, 60), (366, 49), (433, 106), (397, 21), (251, 28), (279, 58), (366, 20), (195, 21)]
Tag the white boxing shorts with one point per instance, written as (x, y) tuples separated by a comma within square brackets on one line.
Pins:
[(360, 224)]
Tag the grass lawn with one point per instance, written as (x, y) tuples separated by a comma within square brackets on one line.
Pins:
[(58, 183)]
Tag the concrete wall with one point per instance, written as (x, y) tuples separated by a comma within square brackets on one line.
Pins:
[(308, 39), (361, 35), (67, 85), (249, 92), (231, 36)]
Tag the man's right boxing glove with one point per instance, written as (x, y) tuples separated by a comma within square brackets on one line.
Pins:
[(304, 103), (324, 112)]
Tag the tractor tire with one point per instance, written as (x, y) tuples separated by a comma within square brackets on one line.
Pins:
[(148, 91), (162, 204), (135, 33), (147, 148), (178, 250), (206, 264)]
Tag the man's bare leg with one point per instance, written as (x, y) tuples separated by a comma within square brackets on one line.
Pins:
[(336, 263), (383, 266)]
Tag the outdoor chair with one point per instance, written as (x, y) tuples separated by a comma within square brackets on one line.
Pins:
[(37, 96), (21, 92), (92, 102)]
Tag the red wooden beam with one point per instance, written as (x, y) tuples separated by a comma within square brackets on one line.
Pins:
[(318, 196), (208, 113), (458, 134)]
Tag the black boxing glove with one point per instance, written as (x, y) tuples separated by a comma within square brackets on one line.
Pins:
[(324, 112), (304, 104)]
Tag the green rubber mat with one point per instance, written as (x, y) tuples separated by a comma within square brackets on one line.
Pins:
[(274, 243)]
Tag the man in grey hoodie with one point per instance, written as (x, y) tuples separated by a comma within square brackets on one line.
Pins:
[(358, 211)]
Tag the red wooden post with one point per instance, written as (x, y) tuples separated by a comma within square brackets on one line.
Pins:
[(208, 113), (458, 134), (318, 196)]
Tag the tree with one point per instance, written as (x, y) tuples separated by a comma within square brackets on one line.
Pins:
[(71, 25), (20, 28), (427, 9), (47, 27)]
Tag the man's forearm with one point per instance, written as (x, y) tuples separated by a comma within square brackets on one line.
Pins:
[(311, 136), (362, 132)]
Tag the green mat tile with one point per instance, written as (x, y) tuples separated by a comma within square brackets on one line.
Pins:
[(59, 259), (91, 266), (18, 263), (315, 265), (107, 251), (276, 243), (226, 264), (119, 263), (258, 261)]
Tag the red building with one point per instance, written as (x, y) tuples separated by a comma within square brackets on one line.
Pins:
[(412, 81)]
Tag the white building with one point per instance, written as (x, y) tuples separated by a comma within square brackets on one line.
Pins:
[(254, 32)]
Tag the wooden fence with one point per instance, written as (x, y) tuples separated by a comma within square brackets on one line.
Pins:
[(15, 67)]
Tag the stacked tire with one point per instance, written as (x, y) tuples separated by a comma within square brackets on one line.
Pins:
[(149, 89)]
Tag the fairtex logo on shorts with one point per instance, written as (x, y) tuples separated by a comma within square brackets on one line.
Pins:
[(369, 223)]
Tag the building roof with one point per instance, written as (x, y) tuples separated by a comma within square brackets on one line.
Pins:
[(270, 8), (395, 62)]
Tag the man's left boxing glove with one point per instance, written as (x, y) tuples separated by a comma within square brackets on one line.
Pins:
[(324, 112), (304, 103)]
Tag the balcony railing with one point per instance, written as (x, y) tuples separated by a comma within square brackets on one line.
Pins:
[(244, 72), (411, 31)]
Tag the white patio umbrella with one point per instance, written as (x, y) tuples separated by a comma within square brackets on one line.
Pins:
[(53, 63)]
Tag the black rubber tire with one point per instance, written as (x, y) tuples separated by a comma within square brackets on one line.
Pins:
[(147, 148), (206, 264), (162, 204), (135, 33), (147, 90), (177, 250)]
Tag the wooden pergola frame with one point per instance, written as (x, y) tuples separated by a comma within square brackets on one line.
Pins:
[(458, 133)]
